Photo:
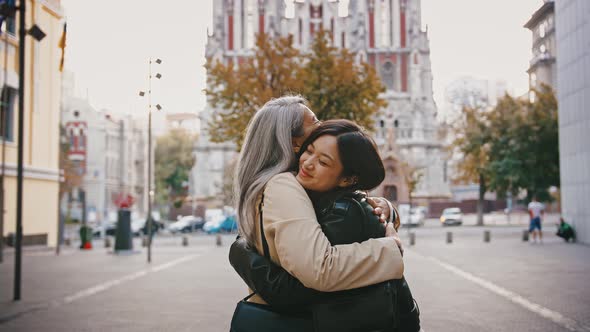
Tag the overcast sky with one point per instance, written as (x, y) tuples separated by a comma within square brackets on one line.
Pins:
[(110, 41)]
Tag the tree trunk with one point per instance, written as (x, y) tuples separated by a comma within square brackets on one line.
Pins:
[(480, 201)]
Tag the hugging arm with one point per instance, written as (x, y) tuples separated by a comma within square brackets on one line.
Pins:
[(275, 285), (303, 250)]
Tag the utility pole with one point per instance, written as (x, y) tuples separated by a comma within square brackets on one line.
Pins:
[(149, 211), (21, 128), (150, 190)]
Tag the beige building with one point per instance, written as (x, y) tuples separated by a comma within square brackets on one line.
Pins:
[(542, 67), (41, 124)]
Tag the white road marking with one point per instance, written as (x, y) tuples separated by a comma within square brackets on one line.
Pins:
[(111, 283), (99, 288), (554, 316)]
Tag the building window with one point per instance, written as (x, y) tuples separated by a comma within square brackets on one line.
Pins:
[(542, 30), (7, 108), (388, 74), (300, 32), (390, 193), (543, 48)]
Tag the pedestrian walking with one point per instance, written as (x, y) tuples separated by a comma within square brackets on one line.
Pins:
[(536, 213)]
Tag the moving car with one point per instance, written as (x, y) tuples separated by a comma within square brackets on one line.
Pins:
[(451, 216)]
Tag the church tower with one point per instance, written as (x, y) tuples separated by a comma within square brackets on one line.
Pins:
[(388, 35)]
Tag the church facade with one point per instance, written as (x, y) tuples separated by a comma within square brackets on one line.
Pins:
[(385, 33)]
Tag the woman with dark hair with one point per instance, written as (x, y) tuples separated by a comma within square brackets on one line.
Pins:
[(336, 161), (277, 217)]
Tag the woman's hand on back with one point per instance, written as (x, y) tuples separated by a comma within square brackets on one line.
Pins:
[(382, 208), (390, 232)]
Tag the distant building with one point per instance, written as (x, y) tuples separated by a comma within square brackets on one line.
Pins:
[(573, 73), (186, 121), (41, 124), (542, 67), (470, 92), (111, 153), (386, 34)]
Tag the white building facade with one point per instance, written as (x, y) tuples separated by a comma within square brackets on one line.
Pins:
[(573, 71), (542, 67), (111, 154), (385, 33)]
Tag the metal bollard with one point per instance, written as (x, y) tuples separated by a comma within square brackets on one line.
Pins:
[(107, 242), (525, 235), (218, 240), (184, 241), (486, 236), (144, 241), (449, 237), (412, 238)]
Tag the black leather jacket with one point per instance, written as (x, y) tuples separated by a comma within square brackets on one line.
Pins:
[(345, 218)]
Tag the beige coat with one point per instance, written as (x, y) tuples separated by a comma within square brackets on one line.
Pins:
[(296, 243)]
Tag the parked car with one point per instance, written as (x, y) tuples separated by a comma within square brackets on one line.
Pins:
[(221, 224), (186, 224), (110, 229), (411, 217), (451, 216)]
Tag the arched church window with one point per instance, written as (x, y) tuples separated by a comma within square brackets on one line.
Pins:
[(387, 74), (390, 193)]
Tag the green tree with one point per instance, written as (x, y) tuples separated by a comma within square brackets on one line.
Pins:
[(524, 153), (510, 148), (329, 79), (472, 143), (173, 162)]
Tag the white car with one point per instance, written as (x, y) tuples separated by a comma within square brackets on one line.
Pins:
[(186, 224), (451, 216), (410, 218)]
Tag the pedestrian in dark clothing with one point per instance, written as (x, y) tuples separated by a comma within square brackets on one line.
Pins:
[(566, 231)]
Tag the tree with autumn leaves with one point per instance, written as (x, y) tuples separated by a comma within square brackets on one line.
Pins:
[(330, 79), (510, 148)]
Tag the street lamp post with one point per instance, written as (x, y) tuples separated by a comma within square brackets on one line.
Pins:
[(150, 191)]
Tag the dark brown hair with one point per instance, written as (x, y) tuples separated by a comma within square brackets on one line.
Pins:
[(358, 152)]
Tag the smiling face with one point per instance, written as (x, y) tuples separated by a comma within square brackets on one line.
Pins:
[(310, 122), (320, 167)]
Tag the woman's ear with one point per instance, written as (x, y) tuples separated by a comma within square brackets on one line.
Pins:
[(348, 181), (296, 144)]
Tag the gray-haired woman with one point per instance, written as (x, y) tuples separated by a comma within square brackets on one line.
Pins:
[(295, 239)]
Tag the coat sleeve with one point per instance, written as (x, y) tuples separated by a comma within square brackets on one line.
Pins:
[(301, 248), (274, 284)]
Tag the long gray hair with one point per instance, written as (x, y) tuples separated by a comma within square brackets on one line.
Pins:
[(266, 152)]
